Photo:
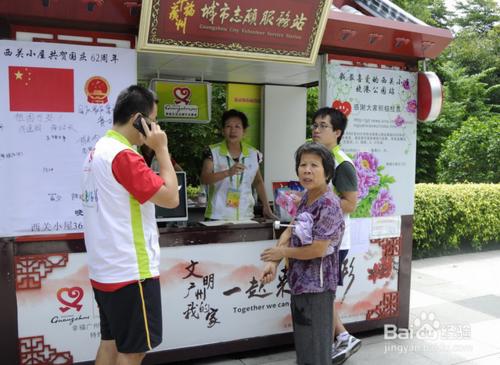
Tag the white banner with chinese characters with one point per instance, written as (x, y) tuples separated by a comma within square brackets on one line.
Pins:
[(210, 294), (381, 106), (56, 102), (218, 296)]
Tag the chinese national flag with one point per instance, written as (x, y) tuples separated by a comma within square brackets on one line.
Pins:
[(41, 89)]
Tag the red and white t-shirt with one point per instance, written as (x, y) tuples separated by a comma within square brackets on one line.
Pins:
[(121, 235)]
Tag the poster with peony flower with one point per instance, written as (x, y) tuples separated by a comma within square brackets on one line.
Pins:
[(381, 107), (374, 197)]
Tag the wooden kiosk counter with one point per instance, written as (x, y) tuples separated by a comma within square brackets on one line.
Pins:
[(61, 69)]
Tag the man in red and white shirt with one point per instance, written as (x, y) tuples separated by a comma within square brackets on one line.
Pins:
[(121, 237)]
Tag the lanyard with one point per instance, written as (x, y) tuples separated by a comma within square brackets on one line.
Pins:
[(239, 179)]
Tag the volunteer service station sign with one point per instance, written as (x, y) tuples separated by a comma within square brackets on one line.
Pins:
[(288, 31)]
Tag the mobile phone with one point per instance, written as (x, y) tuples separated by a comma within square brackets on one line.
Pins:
[(138, 125)]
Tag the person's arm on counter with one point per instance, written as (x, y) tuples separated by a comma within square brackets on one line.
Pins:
[(258, 184)]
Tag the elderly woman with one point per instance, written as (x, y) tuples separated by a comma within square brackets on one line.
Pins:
[(311, 248), (231, 169)]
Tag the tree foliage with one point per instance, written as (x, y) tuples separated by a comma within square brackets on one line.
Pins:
[(469, 69), (312, 106), (478, 16), (471, 153), (464, 96), (432, 12)]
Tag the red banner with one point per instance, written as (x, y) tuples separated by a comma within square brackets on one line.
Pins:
[(41, 89)]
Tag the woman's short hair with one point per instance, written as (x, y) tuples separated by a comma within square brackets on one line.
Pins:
[(233, 113), (318, 150)]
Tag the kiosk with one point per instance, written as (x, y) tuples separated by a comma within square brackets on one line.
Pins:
[(60, 77)]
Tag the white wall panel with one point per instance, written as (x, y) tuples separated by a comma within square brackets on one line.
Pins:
[(284, 117)]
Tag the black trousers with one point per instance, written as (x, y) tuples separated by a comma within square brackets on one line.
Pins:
[(312, 317)]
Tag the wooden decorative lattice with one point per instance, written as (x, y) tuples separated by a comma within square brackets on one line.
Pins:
[(33, 350), (30, 270)]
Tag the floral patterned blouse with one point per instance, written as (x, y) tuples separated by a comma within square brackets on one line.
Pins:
[(320, 274)]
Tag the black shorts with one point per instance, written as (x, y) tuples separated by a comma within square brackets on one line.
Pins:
[(132, 316), (342, 256)]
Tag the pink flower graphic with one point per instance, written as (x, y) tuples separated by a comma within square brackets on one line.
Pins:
[(383, 205), (406, 84), (411, 106), (367, 162), (399, 121), (285, 200), (365, 181)]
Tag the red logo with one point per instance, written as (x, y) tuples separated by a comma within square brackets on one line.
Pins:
[(70, 298), (97, 89), (182, 95), (345, 107)]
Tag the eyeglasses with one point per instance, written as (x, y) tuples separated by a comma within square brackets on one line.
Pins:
[(321, 126)]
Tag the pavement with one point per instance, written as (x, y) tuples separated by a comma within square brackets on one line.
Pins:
[(454, 314)]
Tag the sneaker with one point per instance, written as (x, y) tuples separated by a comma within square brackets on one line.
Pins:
[(344, 349)]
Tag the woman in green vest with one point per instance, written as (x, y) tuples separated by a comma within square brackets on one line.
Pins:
[(231, 171)]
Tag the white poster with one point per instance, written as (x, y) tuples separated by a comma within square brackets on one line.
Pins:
[(56, 102), (370, 282), (384, 227), (360, 229), (381, 107), (218, 296), (210, 294), (58, 318)]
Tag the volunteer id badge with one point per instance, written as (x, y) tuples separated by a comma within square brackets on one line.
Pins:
[(233, 198)]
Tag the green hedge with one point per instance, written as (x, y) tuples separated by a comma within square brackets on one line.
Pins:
[(452, 218)]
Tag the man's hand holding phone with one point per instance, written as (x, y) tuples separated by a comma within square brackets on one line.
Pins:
[(155, 137)]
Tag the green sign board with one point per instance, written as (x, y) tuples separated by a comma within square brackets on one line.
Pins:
[(183, 101)]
